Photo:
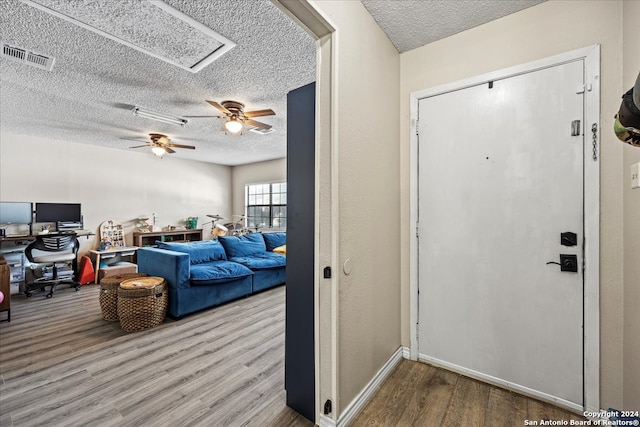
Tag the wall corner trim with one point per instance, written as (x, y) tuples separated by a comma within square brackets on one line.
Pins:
[(406, 353), (369, 390)]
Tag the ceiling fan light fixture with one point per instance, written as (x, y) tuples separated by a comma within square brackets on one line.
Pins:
[(161, 117), (233, 125), (158, 151)]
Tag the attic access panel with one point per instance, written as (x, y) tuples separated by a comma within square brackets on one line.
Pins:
[(149, 26)]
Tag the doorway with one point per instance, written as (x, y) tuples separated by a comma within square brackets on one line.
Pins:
[(504, 193)]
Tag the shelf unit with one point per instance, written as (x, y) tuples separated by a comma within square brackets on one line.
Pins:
[(5, 287), (12, 249), (149, 239)]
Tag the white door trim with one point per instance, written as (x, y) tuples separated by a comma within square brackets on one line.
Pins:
[(591, 57), (305, 14)]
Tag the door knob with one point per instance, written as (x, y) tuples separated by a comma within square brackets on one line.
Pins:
[(567, 263)]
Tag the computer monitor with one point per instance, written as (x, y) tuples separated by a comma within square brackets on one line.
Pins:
[(16, 213), (55, 212)]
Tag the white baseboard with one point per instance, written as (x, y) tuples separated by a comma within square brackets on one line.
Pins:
[(363, 397), (325, 421), (502, 383)]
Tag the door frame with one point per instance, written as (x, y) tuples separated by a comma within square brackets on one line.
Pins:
[(591, 259), (319, 26)]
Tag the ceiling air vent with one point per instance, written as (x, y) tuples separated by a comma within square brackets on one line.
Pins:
[(27, 57), (262, 131)]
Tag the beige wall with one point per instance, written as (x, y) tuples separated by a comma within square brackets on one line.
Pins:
[(544, 30), (111, 184), (254, 173), (365, 102), (631, 371)]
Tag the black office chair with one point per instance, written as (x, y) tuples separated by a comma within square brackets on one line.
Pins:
[(53, 250)]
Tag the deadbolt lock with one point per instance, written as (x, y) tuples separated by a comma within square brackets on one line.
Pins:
[(568, 238)]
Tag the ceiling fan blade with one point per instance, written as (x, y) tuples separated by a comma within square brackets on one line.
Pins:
[(203, 117), (219, 107), (168, 150), (191, 147), (258, 113), (133, 139), (140, 146), (257, 124)]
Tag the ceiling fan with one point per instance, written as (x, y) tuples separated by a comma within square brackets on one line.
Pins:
[(160, 144), (237, 117)]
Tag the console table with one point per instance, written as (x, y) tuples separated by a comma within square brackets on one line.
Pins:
[(149, 239), (110, 257)]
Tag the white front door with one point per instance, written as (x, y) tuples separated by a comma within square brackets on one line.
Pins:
[(500, 177)]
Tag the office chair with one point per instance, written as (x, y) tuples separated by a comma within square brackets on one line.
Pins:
[(53, 250)]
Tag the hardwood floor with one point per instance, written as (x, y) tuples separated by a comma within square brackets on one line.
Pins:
[(417, 394), (61, 364)]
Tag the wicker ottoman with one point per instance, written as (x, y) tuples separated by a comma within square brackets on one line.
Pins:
[(142, 303), (109, 294)]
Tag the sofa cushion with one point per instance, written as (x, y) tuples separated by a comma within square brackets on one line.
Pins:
[(274, 240), (203, 251), (262, 261), (243, 245), (209, 273)]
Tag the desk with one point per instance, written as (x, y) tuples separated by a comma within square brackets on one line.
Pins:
[(31, 238), (17, 239), (112, 255), (13, 247)]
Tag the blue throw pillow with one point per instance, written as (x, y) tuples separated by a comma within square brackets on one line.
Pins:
[(204, 251), (273, 240), (217, 272), (243, 245)]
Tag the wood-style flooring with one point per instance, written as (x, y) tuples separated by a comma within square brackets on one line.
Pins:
[(61, 364), (417, 394)]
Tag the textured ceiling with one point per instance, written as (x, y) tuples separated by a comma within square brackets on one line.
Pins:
[(413, 23), (95, 81)]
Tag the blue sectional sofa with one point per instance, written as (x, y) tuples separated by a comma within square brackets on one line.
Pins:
[(204, 274)]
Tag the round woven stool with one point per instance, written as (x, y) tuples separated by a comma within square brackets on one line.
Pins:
[(142, 303), (109, 294)]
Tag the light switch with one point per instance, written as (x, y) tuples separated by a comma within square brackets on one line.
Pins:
[(635, 178)]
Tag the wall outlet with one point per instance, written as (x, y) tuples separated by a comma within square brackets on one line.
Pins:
[(635, 175)]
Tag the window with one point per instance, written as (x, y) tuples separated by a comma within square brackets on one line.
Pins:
[(266, 205)]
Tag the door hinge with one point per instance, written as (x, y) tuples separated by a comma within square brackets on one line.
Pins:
[(417, 230), (417, 126)]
